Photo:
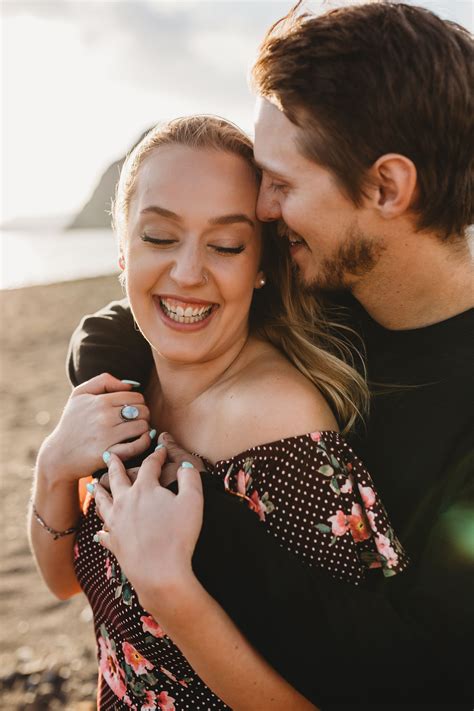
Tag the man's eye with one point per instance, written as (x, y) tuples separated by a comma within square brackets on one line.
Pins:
[(277, 187), (228, 250)]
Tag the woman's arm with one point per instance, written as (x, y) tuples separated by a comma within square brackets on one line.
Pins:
[(146, 522), (90, 424)]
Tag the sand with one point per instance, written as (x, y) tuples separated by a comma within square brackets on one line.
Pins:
[(47, 648)]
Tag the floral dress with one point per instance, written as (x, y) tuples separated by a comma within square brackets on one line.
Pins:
[(312, 494)]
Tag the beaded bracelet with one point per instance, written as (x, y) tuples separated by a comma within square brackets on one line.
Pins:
[(55, 534)]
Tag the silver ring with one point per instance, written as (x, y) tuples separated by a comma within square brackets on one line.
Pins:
[(129, 412)]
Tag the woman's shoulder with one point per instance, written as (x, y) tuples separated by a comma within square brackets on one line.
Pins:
[(272, 400)]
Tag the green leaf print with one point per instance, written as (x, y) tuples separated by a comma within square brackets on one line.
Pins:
[(326, 470), (324, 528)]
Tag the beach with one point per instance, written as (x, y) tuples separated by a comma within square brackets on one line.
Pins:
[(47, 651)]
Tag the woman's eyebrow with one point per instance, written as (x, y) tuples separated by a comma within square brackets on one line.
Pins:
[(231, 219), (162, 212)]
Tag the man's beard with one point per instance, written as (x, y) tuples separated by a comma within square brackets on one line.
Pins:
[(352, 261)]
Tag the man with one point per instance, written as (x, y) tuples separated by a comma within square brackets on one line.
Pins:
[(365, 137)]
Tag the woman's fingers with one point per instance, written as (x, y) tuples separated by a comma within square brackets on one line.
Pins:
[(131, 473), (103, 383), (189, 481), (118, 479), (150, 470), (129, 450), (177, 454), (103, 537), (103, 503)]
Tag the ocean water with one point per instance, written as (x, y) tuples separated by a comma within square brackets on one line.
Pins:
[(29, 258)]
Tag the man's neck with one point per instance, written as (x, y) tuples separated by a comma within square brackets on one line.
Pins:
[(419, 281)]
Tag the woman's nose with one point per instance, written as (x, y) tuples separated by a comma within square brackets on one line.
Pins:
[(268, 207), (188, 270)]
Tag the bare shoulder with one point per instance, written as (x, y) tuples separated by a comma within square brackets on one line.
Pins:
[(273, 400)]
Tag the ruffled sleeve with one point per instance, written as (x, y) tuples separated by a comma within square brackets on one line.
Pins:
[(315, 496)]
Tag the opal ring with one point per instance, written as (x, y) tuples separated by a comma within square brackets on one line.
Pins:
[(129, 412)]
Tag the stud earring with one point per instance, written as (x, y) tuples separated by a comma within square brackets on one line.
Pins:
[(262, 281)]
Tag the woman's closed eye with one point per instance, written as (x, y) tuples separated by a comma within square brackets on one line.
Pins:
[(160, 241), (227, 250)]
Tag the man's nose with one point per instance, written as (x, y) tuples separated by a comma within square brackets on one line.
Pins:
[(268, 207)]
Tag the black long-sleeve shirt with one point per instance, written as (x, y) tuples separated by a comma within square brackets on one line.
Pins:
[(407, 641)]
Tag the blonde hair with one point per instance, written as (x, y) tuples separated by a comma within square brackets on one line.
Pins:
[(281, 312)]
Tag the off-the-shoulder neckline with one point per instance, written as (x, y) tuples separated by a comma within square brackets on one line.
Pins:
[(281, 440)]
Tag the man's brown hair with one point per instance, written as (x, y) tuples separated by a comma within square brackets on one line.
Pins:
[(379, 78)]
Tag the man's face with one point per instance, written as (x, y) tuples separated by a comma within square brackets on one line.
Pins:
[(328, 234)]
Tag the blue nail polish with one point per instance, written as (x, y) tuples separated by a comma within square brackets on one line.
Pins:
[(106, 457), (160, 446), (187, 465), (131, 382), (90, 488), (152, 434)]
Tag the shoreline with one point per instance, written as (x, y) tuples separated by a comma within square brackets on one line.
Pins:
[(47, 658)]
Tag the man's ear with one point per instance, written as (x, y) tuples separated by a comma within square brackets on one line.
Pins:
[(393, 180)]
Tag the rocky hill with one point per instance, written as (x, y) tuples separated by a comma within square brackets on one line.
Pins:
[(95, 213)]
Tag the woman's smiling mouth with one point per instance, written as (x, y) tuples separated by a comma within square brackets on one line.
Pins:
[(185, 312)]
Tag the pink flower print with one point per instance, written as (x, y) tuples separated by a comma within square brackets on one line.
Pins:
[(150, 625), (172, 677), (257, 506), (315, 436), (368, 496), (76, 550), (242, 481), (339, 523), (150, 699), (358, 524), (371, 519), (384, 548), (346, 488), (108, 568), (139, 664), (112, 672), (165, 701)]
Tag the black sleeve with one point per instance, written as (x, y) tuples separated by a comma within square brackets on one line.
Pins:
[(108, 341), (404, 642)]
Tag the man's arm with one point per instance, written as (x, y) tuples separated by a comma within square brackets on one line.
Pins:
[(111, 338), (402, 642)]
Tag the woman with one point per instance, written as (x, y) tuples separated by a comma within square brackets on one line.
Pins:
[(237, 380)]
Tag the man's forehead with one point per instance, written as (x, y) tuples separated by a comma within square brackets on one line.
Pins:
[(274, 146)]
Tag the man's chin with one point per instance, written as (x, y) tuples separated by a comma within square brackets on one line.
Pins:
[(315, 284)]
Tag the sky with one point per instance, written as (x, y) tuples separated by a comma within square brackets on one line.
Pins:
[(82, 79)]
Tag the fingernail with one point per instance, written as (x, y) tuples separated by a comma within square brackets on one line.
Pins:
[(160, 446), (135, 383), (106, 457), (90, 488), (187, 465), (152, 434), (96, 538)]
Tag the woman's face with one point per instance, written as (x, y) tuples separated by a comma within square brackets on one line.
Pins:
[(192, 251)]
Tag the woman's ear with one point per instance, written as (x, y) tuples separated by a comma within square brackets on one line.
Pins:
[(121, 261), (393, 179)]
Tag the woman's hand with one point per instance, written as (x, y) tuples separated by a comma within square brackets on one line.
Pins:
[(91, 424), (151, 531)]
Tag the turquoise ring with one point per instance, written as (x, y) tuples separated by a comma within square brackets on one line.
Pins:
[(129, 412)]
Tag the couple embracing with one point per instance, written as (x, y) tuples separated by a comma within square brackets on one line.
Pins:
[(298, 327)]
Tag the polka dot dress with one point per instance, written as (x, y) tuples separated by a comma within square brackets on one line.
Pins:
[(312, 494)]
